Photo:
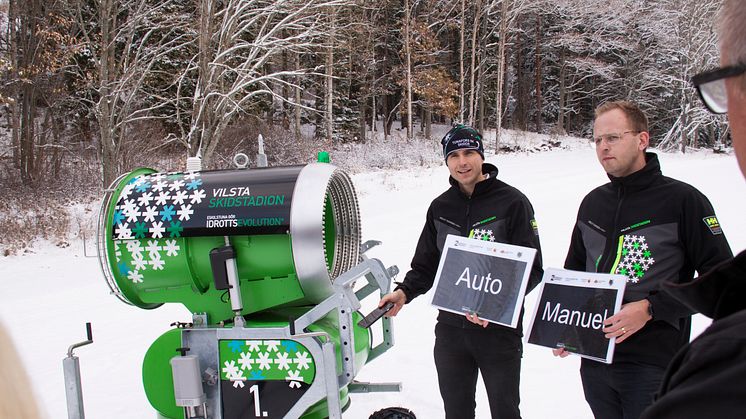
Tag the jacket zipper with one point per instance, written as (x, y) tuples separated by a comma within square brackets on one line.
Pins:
[(468, 222), (611, 241)]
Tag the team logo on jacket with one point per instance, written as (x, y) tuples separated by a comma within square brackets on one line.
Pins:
[(713, 224), (482, 234), (634, 258)]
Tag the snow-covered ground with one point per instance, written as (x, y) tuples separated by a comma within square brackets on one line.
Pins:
[(47, 296)]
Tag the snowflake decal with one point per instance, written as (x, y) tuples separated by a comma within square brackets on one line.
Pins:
[(483, 234), (636, 258), (266, 360)]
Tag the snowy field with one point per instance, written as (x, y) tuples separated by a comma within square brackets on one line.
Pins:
[(47, 296)]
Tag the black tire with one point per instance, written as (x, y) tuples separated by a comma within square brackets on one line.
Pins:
[(393, 413)]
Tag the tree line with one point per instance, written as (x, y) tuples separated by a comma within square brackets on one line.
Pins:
[(101, 79)]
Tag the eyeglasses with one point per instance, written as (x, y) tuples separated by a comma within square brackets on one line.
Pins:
[(711, 86), (611, 139)]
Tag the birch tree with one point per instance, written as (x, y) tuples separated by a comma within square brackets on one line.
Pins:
[(238, 39)]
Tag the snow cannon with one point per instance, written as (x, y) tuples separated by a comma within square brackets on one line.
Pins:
[(267, 261)]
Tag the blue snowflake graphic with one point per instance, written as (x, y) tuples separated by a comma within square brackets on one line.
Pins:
[(168, 213), (194, 184), (257, 375), (290, 345), (235, 345), (123, 268), (118, 217), (143, 187)]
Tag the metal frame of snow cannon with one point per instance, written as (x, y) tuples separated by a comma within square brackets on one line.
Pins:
[(327, 384)]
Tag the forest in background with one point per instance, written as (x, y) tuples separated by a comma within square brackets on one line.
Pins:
[(90, 89)]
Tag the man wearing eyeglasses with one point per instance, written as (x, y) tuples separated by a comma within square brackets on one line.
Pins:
[(707, 378), (650, 228)]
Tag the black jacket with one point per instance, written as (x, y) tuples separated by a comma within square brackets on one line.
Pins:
[(653, 229), (495, 208), (708, 377)]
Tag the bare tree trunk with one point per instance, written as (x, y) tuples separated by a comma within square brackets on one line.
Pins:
[(562, 92), (428, 122), (407, 47), (473, 70), (298, 109), (15, 116), (537, 67), (373, 114), (500, 72), (329, 101), (462, 76)]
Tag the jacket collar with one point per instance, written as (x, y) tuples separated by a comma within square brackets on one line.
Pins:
[(480, 187), (641, 178)]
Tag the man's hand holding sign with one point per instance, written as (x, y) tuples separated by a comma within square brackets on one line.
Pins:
[(484, 280)]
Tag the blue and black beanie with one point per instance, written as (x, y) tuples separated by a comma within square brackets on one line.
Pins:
[(462, 137)]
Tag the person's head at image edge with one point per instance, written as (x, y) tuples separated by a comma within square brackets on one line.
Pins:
[(463, 151), (733, 55), (620, 134), (16, 397)]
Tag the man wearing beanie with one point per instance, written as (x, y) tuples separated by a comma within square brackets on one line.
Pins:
[(477, 205)]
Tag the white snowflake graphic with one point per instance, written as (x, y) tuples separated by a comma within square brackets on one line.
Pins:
[(185, 212), (178, 184), (272, 345), (234, 374), (636, 258), (302, 360), (245, 361), (156, 230), (144, 199), (157, 263), (153, 248), (123, 232), (135, 276), (264, 361), (150, 213), (171, 248), (282, 361), (294, 378), (140, 263), (162, 198), (159, 185), (197, 196), (180, 197), (253, 345)]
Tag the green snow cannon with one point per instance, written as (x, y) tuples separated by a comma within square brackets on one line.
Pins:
[(267, 260), (294, 230)]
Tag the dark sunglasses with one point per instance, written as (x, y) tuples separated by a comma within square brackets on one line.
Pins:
[(711, 86)]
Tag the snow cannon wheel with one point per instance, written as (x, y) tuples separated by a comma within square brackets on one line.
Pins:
[(393, 413)]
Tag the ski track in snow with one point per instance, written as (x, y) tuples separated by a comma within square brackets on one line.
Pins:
[(49, 295)]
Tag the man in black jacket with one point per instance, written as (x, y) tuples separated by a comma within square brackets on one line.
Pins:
[(477, 205), (652, 229), (708, 377)]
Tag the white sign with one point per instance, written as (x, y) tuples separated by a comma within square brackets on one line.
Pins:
[(570, 311), (486, 278)]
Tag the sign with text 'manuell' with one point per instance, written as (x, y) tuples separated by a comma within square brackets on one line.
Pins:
[(570, 311), (483, 277)]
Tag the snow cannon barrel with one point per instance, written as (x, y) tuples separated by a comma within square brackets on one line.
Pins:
[(293, 230)]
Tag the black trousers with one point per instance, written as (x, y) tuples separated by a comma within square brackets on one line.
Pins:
[(461, 353), (619, 391)]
